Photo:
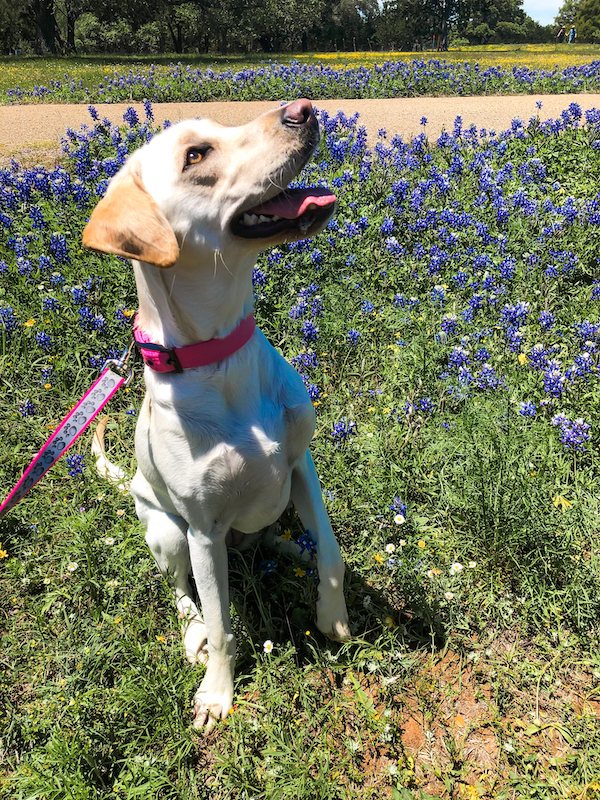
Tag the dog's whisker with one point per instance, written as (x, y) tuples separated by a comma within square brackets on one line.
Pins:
[(225, 265)]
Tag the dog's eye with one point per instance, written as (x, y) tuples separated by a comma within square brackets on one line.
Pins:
[(194, 156)]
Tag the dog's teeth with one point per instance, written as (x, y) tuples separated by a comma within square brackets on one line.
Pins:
[(262, 218), (275, 218), (311, 207)]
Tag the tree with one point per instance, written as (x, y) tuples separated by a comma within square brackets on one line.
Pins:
[(587, 21), (484, 21), (567, 13), (16, 25)]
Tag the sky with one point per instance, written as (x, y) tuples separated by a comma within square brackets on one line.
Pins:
[(542, 11)]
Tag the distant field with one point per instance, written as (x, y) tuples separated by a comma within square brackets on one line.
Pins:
[(26, 73)]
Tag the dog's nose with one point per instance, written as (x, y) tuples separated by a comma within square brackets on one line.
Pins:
[(298, 114)]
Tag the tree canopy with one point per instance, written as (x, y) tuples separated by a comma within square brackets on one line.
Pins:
[(154, 26)]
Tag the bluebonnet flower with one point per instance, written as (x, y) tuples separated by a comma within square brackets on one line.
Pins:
[(89, 321), (387, 226), (399, 509), (37, 218), (367, 307), (515, 314), (130, 117), (458, 357), (148, 110), (27, 409), (79, 295), (343, 430), (306, 544), (527, 408), (44, 263), (50, 304), (24, 267), (353, 336), (425, 405), (304, 361), (554, 381), (56, 279), (573, 434), (8, 320), (268, 567), (449, 323), (547, 320), (60, 250), (438, 295), (487, 378), (310, 331), (44, 341), (584, 365), (76, 465)]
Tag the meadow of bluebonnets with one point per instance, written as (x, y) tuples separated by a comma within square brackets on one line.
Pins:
[(445, 325), (272, 80)]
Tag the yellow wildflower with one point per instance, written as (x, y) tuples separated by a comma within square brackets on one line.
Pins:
[(287, 535), (29, 323), (3, 553), (561, 501)]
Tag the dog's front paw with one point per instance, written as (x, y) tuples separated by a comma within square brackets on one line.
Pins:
[(333, 622), (209, 707)]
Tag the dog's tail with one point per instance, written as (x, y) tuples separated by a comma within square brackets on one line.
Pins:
[(105, 468)]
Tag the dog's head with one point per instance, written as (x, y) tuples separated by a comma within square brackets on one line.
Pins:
[(200, 186)]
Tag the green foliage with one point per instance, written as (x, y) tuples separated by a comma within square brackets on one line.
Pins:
[(149, 26), (587, 21)]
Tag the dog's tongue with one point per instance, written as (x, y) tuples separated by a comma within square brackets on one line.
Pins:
[(292, 203)]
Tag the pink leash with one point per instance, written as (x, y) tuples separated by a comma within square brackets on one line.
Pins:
[(69, 430)]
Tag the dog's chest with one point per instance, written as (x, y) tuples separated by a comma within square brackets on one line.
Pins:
[(227, 456)]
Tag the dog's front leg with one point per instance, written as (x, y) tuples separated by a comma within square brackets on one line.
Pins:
[(332, 616), (214, 698)]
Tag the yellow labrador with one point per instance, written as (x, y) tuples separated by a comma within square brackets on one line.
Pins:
[(222, 447)]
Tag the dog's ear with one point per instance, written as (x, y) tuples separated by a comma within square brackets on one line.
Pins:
[(127, 222)]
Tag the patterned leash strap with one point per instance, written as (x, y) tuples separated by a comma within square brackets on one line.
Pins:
[(70, 429)]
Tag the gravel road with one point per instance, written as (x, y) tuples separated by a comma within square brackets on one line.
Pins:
[(29, 129)]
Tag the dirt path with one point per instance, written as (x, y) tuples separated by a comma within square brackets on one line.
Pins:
[(32, 131)]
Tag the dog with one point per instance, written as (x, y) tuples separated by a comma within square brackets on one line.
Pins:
[(222, 447)]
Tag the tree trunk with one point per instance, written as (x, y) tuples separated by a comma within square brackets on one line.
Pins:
[(45, 23), (176, 37), (71, 20)]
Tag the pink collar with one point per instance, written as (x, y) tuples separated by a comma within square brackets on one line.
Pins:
[(176, 359)]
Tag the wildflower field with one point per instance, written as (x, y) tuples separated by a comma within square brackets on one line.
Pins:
[(509, 69), (446, 325)]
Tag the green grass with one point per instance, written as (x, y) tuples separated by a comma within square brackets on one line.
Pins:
[(459, 683)]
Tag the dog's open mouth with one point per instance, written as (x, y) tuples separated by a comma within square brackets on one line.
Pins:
[(294, 212)]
